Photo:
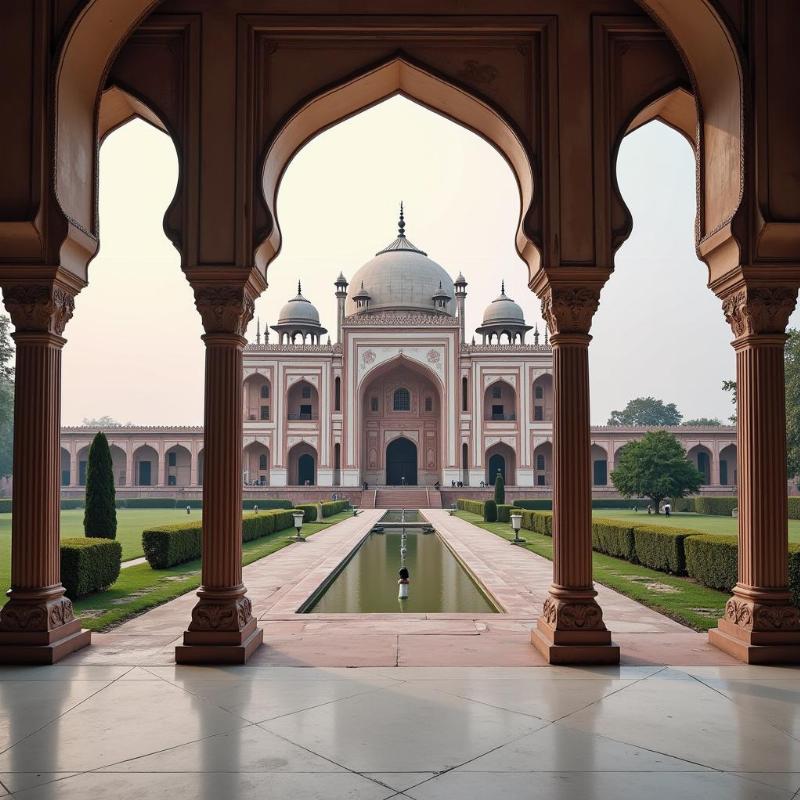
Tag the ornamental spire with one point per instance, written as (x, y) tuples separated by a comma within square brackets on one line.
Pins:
[(503, 288), (401, 224), (299, 292)]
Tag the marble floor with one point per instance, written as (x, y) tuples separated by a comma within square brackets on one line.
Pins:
[(134, 733)]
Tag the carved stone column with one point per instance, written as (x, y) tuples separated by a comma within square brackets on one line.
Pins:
[(223, 629), (761, 626), (37, 624), (571, 629)]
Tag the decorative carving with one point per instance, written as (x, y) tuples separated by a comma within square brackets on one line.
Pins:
[(759, 310), (573, 616), (39, 307), (400, 319), (224, 309), (569, 310), (231, 616), (762, 617), (475, 72), (32, 617)]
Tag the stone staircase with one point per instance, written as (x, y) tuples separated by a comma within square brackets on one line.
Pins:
[(407, 497)]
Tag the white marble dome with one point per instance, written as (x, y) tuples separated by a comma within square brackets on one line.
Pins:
[(299, 311), (503, 311), (401, 277)]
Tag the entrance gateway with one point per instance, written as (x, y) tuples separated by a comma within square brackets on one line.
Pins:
[(401, 463)]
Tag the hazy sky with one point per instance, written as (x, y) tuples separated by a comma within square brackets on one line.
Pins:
[(134, 350)]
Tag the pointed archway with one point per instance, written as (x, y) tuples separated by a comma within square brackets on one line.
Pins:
[(401, 463)]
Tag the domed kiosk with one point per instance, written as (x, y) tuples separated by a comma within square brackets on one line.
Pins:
[(401, 277), (299, 319), (503, 316)]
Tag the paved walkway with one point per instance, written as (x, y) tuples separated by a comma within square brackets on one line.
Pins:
[(518, 579)]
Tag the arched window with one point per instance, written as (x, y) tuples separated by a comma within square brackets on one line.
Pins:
[(264, 391), (464, 455), (262, 461), (337, 394), (464, 394), (429, 404), (539, 392), (402, 400)]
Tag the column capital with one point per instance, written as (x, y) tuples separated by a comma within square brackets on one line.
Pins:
[(38, 304), (569, 309), (758, 310), (226, 298)]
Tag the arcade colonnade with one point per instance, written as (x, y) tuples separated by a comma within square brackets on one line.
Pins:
[(553, 90)]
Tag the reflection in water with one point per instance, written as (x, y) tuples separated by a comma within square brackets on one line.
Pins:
[(368, 583)]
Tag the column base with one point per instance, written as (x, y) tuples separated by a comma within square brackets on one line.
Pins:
[(574, 647), (220, 647), (756, 647), (43, 647)]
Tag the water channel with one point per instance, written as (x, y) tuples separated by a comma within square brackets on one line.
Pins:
[(367, 583)]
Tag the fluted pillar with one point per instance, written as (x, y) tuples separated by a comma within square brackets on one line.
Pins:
[(571, 629), (37, 624), (761, 626), (223, 629)]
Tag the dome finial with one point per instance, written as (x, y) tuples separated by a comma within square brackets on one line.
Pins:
[(503, 287), (299, 292), (401, 224)]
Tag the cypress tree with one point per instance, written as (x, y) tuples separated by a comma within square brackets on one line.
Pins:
[(100, 517), (499, 490)]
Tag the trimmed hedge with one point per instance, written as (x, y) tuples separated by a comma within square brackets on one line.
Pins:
[(332, 507), (794, 508), (504, 512), (715, 506), (538, 521), (89, 565), (490, 511), (473, 506), (547, 505), (266, 504), (663, 549), (66, 505), (5, 506), (309, 511), (794, 573), (168, 545), (149, 502), (712, 560), (614, 539)]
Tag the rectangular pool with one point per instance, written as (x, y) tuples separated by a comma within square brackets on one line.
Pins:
[(367, 583)]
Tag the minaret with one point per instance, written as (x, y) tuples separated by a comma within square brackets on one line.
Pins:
[(536, 335), (341, 296), (258, 330), (461, 297)]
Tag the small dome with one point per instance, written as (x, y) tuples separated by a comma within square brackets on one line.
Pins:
[(503, 311), (298, 311)]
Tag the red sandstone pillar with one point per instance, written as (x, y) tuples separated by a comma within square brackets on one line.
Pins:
[(761, 626), (571, 629), (223, 629), (37, 624)]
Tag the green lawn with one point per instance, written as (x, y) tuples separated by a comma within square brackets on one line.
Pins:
[(682, 599), (699, 522), (130, 524), (141, 588)]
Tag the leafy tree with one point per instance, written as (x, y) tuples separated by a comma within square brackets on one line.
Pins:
[(101, 422), (730, 386), (6, 397), (499, 490), (792, 367), (100, 517), (701, 422), (656, 467), (646, 412)]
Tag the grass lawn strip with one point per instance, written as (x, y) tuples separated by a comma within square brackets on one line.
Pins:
[(141, 588), (681, 599)]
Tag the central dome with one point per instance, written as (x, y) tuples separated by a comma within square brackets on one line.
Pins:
[(402, 277)]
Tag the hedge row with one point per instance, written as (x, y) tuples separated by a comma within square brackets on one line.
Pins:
[(504, 512), (332, 507), (89, 565), (716, 506), (167, 545), (709, 559), (178, 502), (547, 505), (309, 511), (473, 506), (66, 504)]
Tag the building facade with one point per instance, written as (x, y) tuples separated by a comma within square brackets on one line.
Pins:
[(401, 398)]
